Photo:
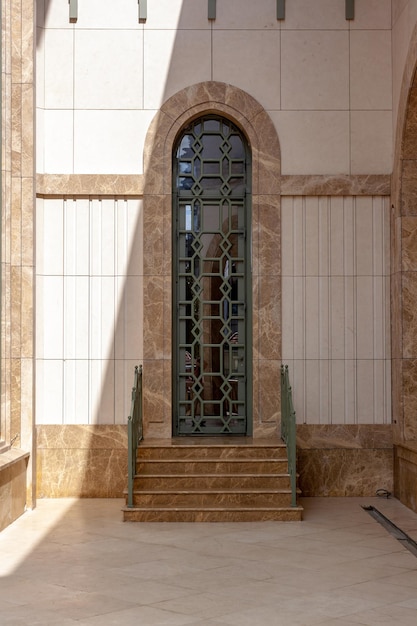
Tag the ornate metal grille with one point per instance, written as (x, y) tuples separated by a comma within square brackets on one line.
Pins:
[(211, 169)]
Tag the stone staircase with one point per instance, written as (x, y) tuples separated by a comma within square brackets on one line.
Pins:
[(200, 480)]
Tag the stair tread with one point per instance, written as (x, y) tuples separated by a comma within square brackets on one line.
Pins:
[(210, 459), (209, 475), (195, 490), (213, 508)]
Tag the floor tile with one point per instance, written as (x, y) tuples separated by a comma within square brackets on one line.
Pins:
[(75, 563)]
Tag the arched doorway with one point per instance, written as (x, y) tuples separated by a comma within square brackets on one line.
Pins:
[(263, 397), (211, 279)]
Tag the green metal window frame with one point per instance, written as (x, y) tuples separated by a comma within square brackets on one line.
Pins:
[(248, 340)]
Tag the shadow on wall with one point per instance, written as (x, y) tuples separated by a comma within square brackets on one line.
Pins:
[(90, 459)]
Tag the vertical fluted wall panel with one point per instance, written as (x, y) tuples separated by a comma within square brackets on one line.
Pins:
[(89, 312), (336, 320)]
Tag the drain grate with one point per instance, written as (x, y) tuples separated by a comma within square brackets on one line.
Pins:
[(393, 530)]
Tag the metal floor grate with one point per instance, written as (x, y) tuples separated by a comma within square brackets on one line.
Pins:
[(396, 532)]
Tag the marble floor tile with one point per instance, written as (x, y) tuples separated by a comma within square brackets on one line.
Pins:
[(75, 563)]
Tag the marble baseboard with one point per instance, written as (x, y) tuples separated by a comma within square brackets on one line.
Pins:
[(81, 461), (344, 460), (13, 464), (405, 469)]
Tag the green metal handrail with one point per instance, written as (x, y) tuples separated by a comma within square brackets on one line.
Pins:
[(288, 430), (134, 431)]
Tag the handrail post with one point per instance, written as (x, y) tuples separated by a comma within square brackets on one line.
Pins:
[(134, 431), (288, 430)]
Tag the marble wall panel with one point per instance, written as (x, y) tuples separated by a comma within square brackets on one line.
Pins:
[(153, 247), (409, 243), (405, 474), (409, 390), (409, 314), (255, 319), (81, 461), (89, 185), (256, 233), (397, 322), (269, 391), (342, 473), (269, 317), (352, 436), (12, 486), (410, 124), (397, 399), (17, 233), (344, 460), (81, 473), (336, 185), (153, 317), (409, 187), (269, 241), (155, 381)]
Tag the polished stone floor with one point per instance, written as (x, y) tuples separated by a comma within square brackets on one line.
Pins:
[(74, 562)]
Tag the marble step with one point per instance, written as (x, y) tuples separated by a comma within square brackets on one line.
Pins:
[(213, 514), (231, 498), (221, 451), (211, 466), (208, 480), (211, 481)]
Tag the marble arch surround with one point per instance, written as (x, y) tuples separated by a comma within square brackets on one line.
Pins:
[(249, 115), (404, 285)]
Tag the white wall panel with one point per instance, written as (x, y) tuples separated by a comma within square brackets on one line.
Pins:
[(76, 391), (336, 240), (123, 383), (76, 317), (58, 141), (102, 237), (89, 309), (50, 242), (76, 238), (101, 391), (59, 68), (102, 311), (49, 392), (128, 332), (113, 77), (335, 319), (129, 233), (50, 312), (237, 57)]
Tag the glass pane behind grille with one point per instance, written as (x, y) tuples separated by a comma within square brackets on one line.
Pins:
[(211, 287)]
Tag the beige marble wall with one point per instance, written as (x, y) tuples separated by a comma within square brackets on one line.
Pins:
[(17, 229), (81, 461), (405, 473), (13, 463), (345, 460), (404, 258)]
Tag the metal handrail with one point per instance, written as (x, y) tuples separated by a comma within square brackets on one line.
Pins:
[(134, 431), (288, 430)]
